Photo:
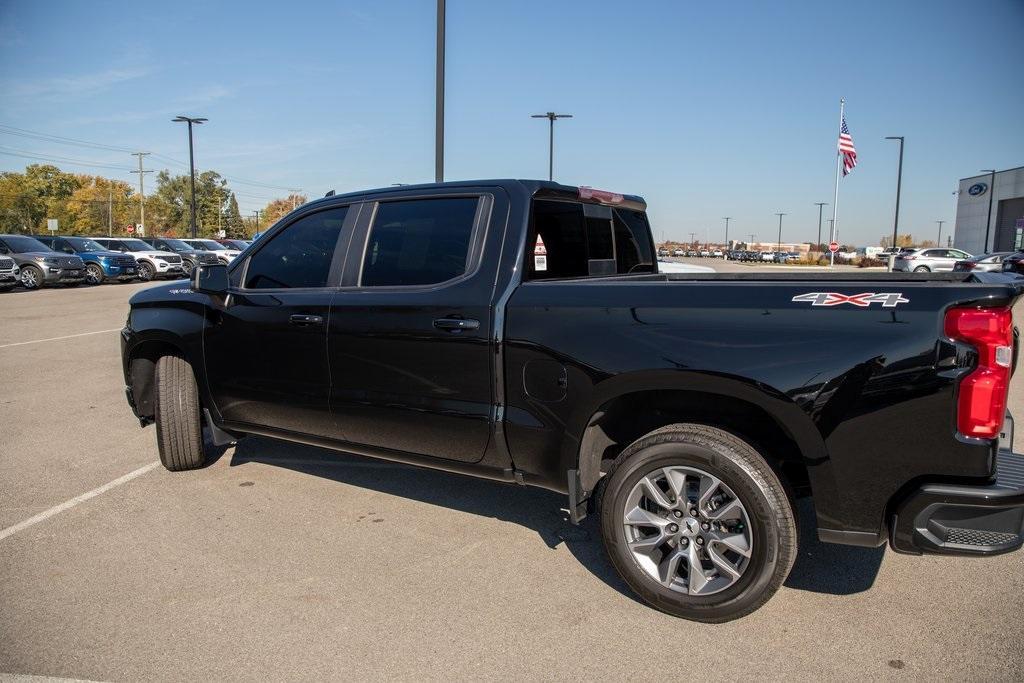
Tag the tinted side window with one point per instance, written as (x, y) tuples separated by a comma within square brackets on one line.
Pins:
[(418, 242), (298, 256)]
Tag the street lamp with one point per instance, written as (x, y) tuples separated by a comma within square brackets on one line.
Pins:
[(991, 191), (899, 182), (726, 219), (191, 163), (938, 241), (780, 215), (819, 205), (551, 116), (439, 95)]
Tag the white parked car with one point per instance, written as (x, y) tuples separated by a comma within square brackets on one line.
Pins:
[(704, 253), (224, 253), (152, 263), (768, 256), (717, 253), (678, 252)]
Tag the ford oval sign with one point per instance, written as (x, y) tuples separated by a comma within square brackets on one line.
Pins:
[(977, 189)]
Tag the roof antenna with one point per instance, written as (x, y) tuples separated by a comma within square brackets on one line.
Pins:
[(330, 193)]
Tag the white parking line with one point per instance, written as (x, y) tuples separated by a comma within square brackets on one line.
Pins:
[(67, 336), (67, 505)]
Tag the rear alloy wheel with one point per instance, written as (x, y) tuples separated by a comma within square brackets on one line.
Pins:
[(31, 277), (697, 523), (146, 271), (186, 267), (922, 269), (93, 274)]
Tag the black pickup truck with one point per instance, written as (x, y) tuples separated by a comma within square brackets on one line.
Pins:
[(520, 331)]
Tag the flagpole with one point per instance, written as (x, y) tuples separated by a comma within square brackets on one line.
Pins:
[(833, 231)]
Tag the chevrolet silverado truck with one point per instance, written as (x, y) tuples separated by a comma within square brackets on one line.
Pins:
[(520, 331)]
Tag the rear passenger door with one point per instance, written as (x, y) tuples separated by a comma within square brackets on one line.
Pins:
[(409, 344)]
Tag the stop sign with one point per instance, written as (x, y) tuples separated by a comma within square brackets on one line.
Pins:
[(130, 229), (833, 247)]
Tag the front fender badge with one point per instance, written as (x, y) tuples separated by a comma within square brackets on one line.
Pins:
[(863, 300)]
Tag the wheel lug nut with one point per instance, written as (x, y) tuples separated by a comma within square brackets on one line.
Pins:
[(678, 513), (683, 543), (705, 526), (693, 512), (673, 528), (700, 541)]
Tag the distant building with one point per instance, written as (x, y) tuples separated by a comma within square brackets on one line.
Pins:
[(1007, 226)]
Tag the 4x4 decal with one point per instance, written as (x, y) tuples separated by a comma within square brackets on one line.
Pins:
[(865, 299)]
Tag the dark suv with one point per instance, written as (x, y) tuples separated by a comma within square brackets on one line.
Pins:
[(41, 265), (100, 263), (190, 257)]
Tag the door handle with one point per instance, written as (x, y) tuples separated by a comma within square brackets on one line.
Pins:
[(456, 324), (306, 320)]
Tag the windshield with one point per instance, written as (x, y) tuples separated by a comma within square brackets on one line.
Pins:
[(178, 245), (136, 245), (81, 244), (20, 244), (209, 245)]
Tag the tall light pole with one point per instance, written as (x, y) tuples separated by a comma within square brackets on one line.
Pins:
[(439, 97), (727, 219), (191, 163), (899, 182), (142, 192), (991, 191), (780, 215), (819, 205), (938, 240), (752, 236), (551, 116)]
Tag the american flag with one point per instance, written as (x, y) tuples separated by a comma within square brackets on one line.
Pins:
[(846, 148)]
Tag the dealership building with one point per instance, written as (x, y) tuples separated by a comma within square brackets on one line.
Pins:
[(1005, 193)]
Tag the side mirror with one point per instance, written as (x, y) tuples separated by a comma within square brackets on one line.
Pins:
[(210, 279)]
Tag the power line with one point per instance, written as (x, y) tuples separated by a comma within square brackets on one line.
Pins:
[(21, 132), (9, 151)]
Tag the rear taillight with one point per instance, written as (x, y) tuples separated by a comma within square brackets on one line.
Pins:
[(908, 257), (981, 404)]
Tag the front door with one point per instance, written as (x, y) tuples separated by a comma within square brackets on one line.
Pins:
[(410, 353), (266, 348)]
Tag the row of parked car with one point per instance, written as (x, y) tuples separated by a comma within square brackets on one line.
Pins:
[(34, 261), (734, 254)]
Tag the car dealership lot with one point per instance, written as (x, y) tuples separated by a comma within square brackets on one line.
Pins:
[(287, 561)]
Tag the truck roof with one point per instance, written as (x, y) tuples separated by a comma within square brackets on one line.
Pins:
[(542, 188)]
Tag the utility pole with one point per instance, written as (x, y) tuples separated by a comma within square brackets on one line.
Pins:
[(439, 96), (257, 214), (991, 191), (780, 215), (819, 205), (142, 192), (692, 238), (752, 235), (938, 240), (191, 162), (727, 219), (551, 116)]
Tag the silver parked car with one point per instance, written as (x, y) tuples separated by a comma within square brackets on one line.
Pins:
[(930, 260), (986, 263), (9, 273)]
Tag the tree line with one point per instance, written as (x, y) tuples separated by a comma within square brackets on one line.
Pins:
[(86, 204)]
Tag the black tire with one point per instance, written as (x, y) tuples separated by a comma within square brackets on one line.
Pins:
[(739, 466), (146, 271), (187, 267), (31, 277), (94, 274), (922, 269), (179, 429)]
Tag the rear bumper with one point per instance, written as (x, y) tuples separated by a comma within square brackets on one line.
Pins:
[(950, 519)]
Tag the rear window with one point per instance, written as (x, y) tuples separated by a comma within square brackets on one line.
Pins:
[(572, 240)]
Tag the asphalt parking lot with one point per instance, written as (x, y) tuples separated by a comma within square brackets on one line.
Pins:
[(281, 561)]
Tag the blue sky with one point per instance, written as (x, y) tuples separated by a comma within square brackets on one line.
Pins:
[(706, 109)]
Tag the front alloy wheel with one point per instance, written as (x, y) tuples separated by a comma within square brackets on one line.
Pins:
[(93, 274), (146, 271), (31, 277), (688, 530)]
